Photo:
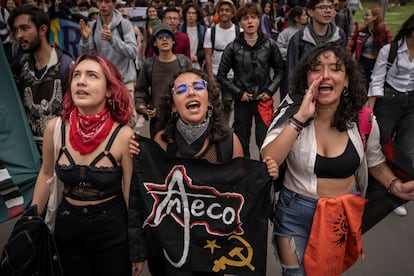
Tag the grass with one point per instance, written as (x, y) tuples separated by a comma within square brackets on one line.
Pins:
[(394, 17)]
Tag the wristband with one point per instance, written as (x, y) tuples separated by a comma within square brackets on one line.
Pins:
[(297, 122), (295, 126), (392, 184)]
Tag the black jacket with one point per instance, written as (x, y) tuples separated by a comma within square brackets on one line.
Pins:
[(251, 66), (31, 249)]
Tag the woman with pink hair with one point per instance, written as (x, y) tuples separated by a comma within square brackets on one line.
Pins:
[(90, 156)]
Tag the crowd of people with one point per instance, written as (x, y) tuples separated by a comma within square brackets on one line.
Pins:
[(186, 67)]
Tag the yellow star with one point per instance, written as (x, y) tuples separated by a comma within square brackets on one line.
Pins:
[(211, 244)]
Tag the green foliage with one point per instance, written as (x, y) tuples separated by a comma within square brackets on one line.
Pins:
[(394, 17)]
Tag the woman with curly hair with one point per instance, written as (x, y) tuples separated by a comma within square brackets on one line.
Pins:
[(192, 125), (315, 131), (367, 42), (90, 156)]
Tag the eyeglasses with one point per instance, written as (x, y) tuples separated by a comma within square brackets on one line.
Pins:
[(164, 35), (182, 88), (325, 7)]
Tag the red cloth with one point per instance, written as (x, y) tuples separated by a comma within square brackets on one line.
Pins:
[(335, 240), (265, 109)]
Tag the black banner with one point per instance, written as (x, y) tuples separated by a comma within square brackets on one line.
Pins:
[(201, 216)]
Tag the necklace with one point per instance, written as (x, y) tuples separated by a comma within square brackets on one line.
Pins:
[(87, 132)]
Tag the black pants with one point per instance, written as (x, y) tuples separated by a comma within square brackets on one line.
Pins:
[(244, 112), (93, 240)]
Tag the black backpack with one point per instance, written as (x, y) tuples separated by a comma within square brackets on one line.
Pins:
[(31, 249)]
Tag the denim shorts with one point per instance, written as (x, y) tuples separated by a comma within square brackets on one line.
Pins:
[(293, 218)]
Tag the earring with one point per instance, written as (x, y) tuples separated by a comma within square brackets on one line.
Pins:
[(111, 103), (345, 91), (210, 111), (174, 115)]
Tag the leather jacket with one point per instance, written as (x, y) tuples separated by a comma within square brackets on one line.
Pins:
[(251, 66)]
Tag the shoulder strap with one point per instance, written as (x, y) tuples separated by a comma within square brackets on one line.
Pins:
[(365, 124), (120, 30), (107, 148), (213, 36), (237, 29), (93, 32), (392, 54)]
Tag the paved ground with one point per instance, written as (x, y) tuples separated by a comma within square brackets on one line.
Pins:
[(388, 247)]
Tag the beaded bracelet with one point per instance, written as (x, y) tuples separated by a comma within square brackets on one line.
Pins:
[(297, 122), (392, 184)]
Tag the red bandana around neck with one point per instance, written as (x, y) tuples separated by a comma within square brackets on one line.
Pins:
[(88, 132)]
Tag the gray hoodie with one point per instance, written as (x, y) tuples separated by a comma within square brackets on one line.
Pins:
[(123, 50)]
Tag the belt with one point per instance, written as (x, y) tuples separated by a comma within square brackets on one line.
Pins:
[(387, 85)]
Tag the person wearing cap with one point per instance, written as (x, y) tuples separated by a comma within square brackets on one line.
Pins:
[(153, 78), (224, 33), (93, 13), (252, 56), (112, 37), (171, 17)]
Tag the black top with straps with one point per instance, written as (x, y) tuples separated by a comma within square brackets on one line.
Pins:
[(88, 182), (342, 166)]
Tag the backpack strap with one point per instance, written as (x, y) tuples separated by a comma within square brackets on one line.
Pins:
[(213, 36), (118, 29), (392, 54)]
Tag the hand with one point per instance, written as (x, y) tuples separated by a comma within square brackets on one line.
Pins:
[(245, 97), (137, 268), (84, 28), (308, 105), (106, 34), (404, 190), (272, 167), (194, 58), (133, 146), (264, 96)]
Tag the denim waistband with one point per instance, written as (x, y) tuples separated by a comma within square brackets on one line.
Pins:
[(297, 195), (92, 209)]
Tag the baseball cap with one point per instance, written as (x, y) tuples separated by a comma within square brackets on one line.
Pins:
[(162, 28), (93, 10)]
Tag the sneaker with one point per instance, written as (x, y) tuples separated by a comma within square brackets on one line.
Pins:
[(400, 211)]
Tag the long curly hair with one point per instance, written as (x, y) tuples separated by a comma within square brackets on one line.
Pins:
[(350, 105), (217, 129), (121, 108)]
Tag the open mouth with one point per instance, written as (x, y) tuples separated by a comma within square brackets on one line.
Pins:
[(193, 105), (325, 88)]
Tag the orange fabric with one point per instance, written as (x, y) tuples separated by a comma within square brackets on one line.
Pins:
[(216, 18), (335, 240), (265, 109)]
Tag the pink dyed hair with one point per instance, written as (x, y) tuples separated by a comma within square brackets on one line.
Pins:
[(121, 108)]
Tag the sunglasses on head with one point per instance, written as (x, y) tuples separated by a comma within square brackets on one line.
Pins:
[(164, 35), (182, 88)]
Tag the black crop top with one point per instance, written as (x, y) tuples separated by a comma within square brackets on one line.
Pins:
[(342, 166), (90, 182)]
